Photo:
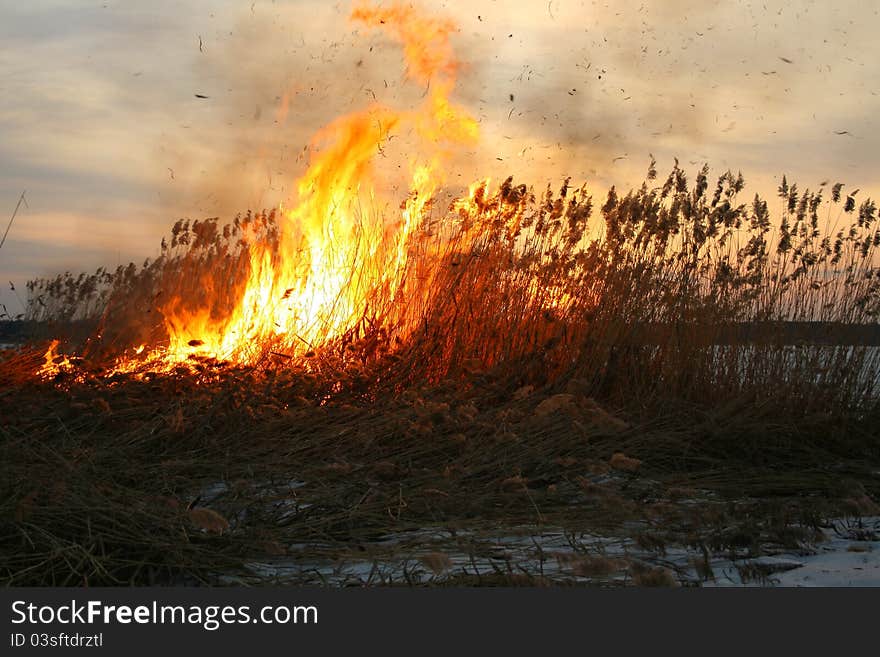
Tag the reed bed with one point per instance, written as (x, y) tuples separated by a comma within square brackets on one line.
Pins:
[(638, 302), (532, 367)]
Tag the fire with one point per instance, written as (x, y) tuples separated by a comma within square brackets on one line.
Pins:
[(53, 362), (339, 255), (336, 251)]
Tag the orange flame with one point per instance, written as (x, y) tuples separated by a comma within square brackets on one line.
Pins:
[(334, 252), (53, 362)]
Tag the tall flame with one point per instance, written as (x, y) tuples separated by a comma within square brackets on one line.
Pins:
[(335, 251)]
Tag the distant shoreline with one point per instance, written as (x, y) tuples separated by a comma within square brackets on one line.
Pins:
[(23, 331), (785, 333)]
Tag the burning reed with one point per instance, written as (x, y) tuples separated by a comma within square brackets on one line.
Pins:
[(374, 294), (640, 304)]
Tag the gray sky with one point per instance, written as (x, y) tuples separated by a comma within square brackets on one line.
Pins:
[(100, 124)]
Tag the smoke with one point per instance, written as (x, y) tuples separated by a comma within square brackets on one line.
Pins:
[(271, 85), (271, 82), (587, 90)]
